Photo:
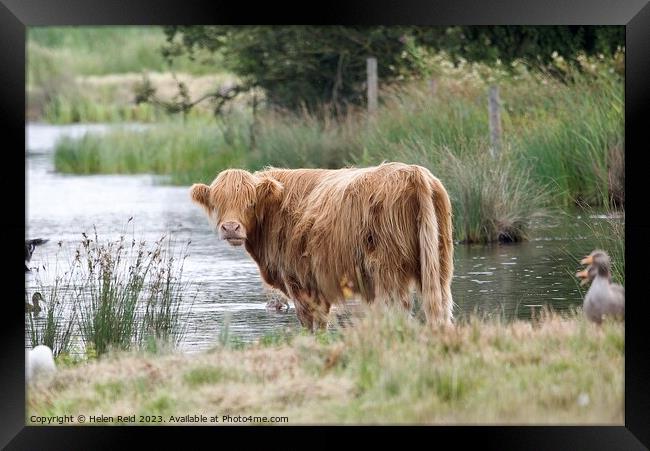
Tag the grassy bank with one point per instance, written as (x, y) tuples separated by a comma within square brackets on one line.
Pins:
[(388, 368)]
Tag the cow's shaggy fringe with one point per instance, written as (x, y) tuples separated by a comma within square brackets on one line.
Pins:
[(314, 234)]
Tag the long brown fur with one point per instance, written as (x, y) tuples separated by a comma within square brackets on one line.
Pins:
[(316, 234)]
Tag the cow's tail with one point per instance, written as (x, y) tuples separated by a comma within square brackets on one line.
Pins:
[(442, 205), (436, 248)]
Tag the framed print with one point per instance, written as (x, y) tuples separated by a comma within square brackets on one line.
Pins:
[(387, 215)]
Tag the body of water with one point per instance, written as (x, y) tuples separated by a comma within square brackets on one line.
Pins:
[(510, 280)]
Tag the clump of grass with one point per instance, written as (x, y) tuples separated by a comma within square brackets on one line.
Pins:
[(491, 201), (162, 319), (129, 294)]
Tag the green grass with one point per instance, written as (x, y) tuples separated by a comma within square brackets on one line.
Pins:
[(92, 50), (185, 152), (579, 143), (492, 198), (569, 134), (123, 294), (388, 367), (204, 375)]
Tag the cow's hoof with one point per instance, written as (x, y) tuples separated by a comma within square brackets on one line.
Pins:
[(277, 304)]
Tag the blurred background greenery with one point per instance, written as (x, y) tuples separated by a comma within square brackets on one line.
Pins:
[(295, 96)]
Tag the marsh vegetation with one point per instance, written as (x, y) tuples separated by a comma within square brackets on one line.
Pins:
[(113, 295)]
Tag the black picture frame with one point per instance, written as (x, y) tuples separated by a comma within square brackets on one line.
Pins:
[(16, 15)]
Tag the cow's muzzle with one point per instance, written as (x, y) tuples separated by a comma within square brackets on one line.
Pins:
[(232, 232)]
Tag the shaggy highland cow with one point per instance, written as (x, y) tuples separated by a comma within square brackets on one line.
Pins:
[(318, 235)]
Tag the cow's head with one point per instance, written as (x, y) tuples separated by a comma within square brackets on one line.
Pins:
[(236, 201)]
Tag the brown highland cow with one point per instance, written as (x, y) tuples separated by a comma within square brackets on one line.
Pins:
[(319, 235)]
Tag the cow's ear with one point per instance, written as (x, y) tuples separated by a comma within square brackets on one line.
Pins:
[(201, 194), (269, 189)]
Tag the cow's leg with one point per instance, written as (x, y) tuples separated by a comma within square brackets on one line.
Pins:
[(304, 312), (392, 289), (381, 296), (314, 311), (405, 299), (321, 315)]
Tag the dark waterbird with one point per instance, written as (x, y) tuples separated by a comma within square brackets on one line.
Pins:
[(30, 245), (35, 306)]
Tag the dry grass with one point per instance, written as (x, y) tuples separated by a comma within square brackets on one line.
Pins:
[(91, 98), (388, 368), (166, 84)]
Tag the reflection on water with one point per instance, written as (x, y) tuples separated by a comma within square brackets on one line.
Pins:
[(505, 279)]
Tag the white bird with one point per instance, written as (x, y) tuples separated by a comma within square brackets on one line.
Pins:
[(603, 298), (39, 361)]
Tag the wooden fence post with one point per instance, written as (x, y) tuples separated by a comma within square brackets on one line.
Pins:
[(253, 127), (494, 105), (433, 86), (372, 85)]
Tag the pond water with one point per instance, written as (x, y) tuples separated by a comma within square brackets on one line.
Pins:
[(510, 280)]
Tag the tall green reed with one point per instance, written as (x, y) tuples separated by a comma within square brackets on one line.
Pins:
[(129, 294)]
